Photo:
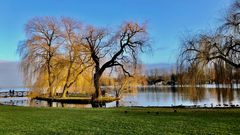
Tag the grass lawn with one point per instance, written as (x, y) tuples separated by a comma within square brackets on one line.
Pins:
[(43, 121)]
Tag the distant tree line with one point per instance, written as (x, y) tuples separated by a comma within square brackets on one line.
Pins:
[(158, 76)]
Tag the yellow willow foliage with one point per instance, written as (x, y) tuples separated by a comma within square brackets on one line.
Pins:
[(40, 85), (107, 81), (84, 83), (81, 83)]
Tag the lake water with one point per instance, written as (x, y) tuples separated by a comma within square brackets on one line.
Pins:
[(154, 96)]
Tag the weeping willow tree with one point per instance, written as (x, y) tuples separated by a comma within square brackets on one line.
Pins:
[(39, 53), (53, 56), (76, 58), (220, 49)]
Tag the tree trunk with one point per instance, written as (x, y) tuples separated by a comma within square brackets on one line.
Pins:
[(50, 86), (65, 88), (97, 76), (117, 96), (64, 92), (50, 89), (50, 103), (49, 79), (117, 103), (237, 84), (96, 85)]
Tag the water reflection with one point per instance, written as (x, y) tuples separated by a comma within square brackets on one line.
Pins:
[(187, 96), (153, 96)]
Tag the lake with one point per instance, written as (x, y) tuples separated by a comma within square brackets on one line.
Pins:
[(155, 96)]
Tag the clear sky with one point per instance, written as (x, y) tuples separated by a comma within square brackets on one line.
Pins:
[(167, 20)]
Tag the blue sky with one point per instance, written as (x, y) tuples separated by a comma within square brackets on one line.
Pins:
[(167, 20)]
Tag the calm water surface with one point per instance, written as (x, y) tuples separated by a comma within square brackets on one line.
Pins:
[(154, 96)]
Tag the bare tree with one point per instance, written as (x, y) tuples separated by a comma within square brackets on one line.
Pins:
[(223, 45), (39, 51), (109, 50)]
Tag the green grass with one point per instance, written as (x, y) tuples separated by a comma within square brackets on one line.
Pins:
[(43, 121)]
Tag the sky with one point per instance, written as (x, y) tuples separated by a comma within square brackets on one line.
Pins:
[(9, 75), (168, 20)]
